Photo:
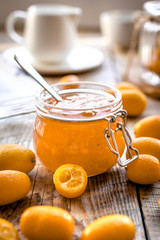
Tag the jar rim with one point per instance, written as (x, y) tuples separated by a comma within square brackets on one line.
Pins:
[(114, 105)]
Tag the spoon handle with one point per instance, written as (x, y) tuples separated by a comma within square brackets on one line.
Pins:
[(27, 68)]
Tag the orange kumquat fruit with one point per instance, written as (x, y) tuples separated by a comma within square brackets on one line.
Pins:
[(46, 223), (70, 180), (7, 230), (70, 79), (111, 227)]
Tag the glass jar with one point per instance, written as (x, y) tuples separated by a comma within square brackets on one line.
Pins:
[(149, 48), (80, 135)]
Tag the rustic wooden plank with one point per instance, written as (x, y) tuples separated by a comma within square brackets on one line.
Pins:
[(149, 196), (107, 193), (18, 130), (12, 212)]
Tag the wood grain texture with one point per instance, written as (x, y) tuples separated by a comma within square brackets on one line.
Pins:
[(149, 195), (108, 193), (151, 211)]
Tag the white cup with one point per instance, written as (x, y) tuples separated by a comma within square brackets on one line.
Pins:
[(49, 30), (117, 26)]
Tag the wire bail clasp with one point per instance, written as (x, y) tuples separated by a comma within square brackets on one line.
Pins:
[(121, 126)]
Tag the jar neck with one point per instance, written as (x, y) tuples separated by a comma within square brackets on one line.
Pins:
[(103, 101)]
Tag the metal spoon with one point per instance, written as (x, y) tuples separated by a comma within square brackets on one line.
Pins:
[(27, 68)]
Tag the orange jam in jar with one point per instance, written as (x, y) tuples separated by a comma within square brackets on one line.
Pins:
[(72, 131)]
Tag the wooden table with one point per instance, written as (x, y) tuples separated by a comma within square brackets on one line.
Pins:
[(108, 193)]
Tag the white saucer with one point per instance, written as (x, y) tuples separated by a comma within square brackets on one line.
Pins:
[(81, 59)]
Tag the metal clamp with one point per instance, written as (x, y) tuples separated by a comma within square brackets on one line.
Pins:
[(121, 126)]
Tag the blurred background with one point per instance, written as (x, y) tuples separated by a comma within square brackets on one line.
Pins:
[(109, 33), (91, 8)]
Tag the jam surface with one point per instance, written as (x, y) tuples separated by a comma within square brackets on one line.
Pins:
[(80, 105)]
